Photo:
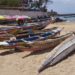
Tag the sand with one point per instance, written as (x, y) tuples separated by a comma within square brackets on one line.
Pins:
[(14, 64)]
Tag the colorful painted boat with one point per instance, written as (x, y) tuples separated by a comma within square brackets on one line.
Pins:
[(26, 33), (17, 29), (11, 19), (22, 45), (32, 39), (44, 44)]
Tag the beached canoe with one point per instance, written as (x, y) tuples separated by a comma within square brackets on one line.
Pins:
[(30, 33), (44, 44), (59, 52), (22, 45), (13, 30), (29, 39), (12, 43), (7, 19), (17, 29), (43, 36)]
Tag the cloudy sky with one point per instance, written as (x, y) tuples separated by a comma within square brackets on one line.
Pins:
[(62, 6)]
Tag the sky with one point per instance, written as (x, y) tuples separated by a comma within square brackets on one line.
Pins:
[(62, 6)]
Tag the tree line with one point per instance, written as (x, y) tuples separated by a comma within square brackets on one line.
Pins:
[(39, 3), (11, 3)]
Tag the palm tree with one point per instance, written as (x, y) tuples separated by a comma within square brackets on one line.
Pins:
[(47, 1), (43, 3)]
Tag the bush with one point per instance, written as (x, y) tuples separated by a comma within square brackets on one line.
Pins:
[(3, 2), (11, 3)]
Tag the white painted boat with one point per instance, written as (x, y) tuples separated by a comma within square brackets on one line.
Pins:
[(59, 52)]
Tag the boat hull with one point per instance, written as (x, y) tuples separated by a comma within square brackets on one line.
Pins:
[(44, 45), (60, 52)]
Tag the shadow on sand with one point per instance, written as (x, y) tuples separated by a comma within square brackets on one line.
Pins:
[(18, 51), (37, 53), (9, 52)]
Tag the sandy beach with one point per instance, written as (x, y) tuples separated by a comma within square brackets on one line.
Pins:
[(14, 64)]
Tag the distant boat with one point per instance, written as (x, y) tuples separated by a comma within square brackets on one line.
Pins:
[(6, 19)]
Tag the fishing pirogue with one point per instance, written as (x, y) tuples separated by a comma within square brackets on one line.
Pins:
[(21, 28), (29, 33), (44, 44), (44, 36), (23, 41), (21, 19), (34, 46)]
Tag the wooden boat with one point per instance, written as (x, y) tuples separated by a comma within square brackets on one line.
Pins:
[(17, 29), (6, 37), (22, 45), (34, 38), (26, 34), (20, 19), (41, 25), (42, 35), (59, 52), (6, 19), (43, 45), (13, 30)]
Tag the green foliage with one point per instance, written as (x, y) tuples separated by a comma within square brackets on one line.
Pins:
[(36, 4), (52, 13), (10, 2)]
